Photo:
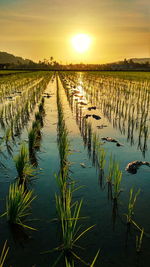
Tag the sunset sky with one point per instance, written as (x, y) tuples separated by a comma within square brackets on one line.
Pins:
[(38, 29)]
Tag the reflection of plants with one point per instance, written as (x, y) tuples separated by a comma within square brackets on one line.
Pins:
[(41, 106), (37, 128), (125, 103), (139, 240), (4, 254), (18, 204), (95, 144), (68, 212), (32, 140), (102, 156), (39, 118)]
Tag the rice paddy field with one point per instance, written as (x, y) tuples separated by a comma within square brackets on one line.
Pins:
[(74, 169)]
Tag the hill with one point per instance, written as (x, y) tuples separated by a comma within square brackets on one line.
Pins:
[(140, 60), (6, 58)]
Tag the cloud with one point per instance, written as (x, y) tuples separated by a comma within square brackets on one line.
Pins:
[(120, 24)]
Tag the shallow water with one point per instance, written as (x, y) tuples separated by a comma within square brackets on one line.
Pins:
[(110, 231)]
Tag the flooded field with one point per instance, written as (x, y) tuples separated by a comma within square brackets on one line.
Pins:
[(75, 169)]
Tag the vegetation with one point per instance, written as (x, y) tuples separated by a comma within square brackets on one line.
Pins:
[(24, 168), (97, 100), (131, 205), (4, 254), (34, 134), (117, 181), (68, 211), (9, 61), (18, 204)]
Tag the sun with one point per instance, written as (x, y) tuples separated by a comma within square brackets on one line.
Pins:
[(81, 42)]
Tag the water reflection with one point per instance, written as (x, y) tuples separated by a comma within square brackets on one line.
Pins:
[(90, 138), (124, 103)]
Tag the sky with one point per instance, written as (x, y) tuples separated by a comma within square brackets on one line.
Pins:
[(38, 29)]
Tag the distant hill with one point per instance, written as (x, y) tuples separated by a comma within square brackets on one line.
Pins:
[(6, 58), (140, 60), (9, 61)]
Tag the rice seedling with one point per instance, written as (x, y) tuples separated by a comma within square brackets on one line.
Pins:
[(24, 168), (32, 137), (95, 148), (119, 110), (139, 240), (41, 106), (111, 168), (131, 205), (36, 126), (17, 113), (100, 160), (5, 142), (69, 263), (2, 151), (95, 258), (2, 121), (89, 141), (4, 254), (70, 215), (68, 212), (18, 204), (62, 137), (8, 139), (102, 156), (34, 144), (64, 152), (116, 182)]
